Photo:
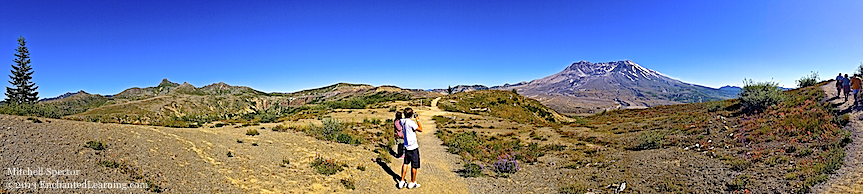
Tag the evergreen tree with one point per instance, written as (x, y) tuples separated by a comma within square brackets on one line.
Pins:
[(24, 90)]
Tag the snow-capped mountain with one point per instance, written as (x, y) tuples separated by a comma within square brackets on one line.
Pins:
[(584, 87)]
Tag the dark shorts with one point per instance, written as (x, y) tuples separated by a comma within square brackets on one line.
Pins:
[(847, 88), (412, 157)]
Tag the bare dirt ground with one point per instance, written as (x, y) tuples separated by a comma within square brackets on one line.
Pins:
[(849, 178), (180, 160)]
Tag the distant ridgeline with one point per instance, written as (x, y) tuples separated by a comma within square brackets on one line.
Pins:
[(183, 105)]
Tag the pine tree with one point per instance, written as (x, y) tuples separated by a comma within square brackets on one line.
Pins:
[(24, 90)]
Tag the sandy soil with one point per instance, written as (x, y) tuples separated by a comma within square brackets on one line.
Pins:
[(195, 160), (849, 178)]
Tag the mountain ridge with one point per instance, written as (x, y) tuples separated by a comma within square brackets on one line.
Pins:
[(585, 88)]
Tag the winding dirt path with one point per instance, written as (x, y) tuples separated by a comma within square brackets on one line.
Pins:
[(437, 170), (849, 178)]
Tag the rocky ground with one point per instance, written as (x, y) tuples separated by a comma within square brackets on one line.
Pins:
[(181, 160)]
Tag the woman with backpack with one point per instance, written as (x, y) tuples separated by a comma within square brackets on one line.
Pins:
[(400, 137)]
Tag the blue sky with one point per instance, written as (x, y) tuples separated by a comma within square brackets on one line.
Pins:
[(285, 46)]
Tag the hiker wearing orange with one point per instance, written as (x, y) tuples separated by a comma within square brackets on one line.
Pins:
[(855, 88)]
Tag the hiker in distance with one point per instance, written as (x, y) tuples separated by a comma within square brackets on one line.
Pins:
[(839, 84), (410, 125)]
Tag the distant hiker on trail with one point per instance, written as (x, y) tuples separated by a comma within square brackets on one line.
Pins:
[(839, 84), (410, 125), (400, 136), (846, 86), (855, 88)]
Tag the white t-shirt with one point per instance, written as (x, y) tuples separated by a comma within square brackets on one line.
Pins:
[(409, 129)]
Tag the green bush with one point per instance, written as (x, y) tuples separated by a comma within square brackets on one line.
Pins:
[(650, 140), (757, 97), (327, 166), (38, 109), (96, 145), (573, 189), (809, 80), (739, 183), (471, 170)]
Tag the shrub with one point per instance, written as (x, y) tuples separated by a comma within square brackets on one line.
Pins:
[(285, 162), (756, 97), (230, 154), (26, 109), (715, 106), (152, 187), (650, 140), (255, 144), (739, 164), (471, 170), (326, 166), (96, 145), (809, 80), (576, 188), (239, 141), (506, 164), (280, 128), (252, 132), (739, 183), (383, 156), (348, 183)]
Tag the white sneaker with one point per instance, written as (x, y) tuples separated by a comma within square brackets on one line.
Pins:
[(413, 185), (402, 184)]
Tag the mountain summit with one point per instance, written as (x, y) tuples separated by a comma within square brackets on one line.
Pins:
[(586, 87)]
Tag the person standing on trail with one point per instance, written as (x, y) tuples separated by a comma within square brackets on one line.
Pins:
[(400, 136), (410, 125), (839, 84), (855, 88), (846, 86)]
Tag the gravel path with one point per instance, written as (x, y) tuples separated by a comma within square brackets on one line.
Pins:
[(849, 178)]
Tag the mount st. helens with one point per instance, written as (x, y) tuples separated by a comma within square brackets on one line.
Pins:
[(586, 88)]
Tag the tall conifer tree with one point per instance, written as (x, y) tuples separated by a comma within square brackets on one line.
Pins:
[(24, 90)]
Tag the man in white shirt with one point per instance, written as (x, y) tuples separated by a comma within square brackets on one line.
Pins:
[(410, 125)]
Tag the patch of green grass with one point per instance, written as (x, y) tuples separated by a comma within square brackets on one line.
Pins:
[(96, 145)]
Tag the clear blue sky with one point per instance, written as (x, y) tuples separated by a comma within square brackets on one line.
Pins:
[(285, 46)]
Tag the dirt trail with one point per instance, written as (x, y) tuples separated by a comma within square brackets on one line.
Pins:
[(437, 170), (849, 178)]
